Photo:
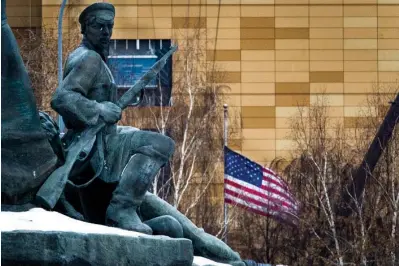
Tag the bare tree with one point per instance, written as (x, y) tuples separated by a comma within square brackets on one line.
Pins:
[(325, 159), (39, 52)]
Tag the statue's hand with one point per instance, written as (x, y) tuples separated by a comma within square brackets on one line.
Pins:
[(110, 112)]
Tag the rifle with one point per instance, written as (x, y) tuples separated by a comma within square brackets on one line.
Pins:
[(50, 192)]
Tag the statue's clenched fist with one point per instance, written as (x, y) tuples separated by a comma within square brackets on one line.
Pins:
[(110, 112)]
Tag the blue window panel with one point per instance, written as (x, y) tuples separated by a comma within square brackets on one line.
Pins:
[(129, 61), (127, 69)]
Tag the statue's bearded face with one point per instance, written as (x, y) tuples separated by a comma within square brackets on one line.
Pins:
[(98, 32)]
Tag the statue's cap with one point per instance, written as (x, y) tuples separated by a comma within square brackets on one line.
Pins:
[(103, 11)]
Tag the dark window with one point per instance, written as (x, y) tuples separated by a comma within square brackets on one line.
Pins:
[(128, 60)]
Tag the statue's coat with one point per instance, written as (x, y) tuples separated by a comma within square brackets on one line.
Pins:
[(87, 82)]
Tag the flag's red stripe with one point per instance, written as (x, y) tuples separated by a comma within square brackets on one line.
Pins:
[(267, 170), (252, 201), (273, 181), (277, 178), (282, 194), (281, 182), (278, 181), (256, 211), (286, 190), (257, 193), (270, 172), (267, 189)]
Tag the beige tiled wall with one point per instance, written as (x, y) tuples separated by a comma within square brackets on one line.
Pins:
[(24, 13), (276, 55)]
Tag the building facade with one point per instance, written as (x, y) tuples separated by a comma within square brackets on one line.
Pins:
[(274, 55)]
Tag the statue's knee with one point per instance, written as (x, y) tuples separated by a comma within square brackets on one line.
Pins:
[(165, 145), (175, 228), (166, 225)]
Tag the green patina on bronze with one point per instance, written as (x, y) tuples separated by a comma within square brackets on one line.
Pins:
[(27, 157), (104, 170)]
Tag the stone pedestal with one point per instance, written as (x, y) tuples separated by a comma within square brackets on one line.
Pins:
[(39, 237)]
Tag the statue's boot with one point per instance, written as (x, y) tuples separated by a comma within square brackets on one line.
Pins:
[(135, 180)]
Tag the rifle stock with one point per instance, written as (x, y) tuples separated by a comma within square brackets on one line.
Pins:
[(53, 187)]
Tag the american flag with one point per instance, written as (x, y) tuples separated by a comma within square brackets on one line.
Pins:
[(257, 189)]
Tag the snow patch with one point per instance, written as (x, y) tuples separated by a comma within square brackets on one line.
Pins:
[(200, 261), (38, 219)]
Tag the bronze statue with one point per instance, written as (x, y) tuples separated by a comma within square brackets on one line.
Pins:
[(125, 157), (112, 175), (27, 158)]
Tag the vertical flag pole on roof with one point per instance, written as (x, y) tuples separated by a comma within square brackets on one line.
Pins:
[(225, 140)]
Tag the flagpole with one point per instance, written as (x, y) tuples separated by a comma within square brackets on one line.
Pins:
[(225, 140)]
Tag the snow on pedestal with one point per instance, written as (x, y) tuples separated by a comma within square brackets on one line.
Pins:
[(38, 219), (200, 261), (38, 235)]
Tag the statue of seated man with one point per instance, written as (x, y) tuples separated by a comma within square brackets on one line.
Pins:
[(114, 178), (126, 158)]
